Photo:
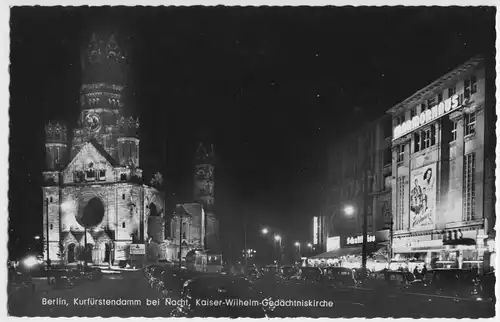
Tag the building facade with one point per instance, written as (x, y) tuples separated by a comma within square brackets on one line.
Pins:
[(443, 171), (95, 201), (359, 173)]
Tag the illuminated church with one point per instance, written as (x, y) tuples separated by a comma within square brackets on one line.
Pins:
[(96, 204)]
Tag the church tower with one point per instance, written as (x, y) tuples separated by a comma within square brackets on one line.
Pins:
[(102, 116), (97, 206), (204, 193), (56, 146)]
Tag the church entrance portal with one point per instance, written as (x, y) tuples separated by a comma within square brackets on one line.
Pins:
[(92, 214), (71, 253)]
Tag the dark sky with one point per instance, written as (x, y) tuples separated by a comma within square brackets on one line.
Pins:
[(271, 88)]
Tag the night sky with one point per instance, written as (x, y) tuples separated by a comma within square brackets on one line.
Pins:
[(271, 88)]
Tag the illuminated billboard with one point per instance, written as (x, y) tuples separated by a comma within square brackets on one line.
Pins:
[(332, 243), (423, 197)]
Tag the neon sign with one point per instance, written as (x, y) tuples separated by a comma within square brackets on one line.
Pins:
[(429, 115), (359, 240)]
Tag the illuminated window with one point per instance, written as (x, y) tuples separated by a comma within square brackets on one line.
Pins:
[(416, 141), (452, 91), (467, 88), (470, 123), (433, 135), (401, 153), (425, 137), (440, 97), (401, 202), (454, 131), (473, 84), (469, 190), (102, 175)]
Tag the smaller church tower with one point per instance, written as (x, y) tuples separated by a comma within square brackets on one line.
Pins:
[(56, 146), (204, 193), (128, 141)]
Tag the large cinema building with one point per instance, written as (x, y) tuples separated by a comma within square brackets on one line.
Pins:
[(443, 167)]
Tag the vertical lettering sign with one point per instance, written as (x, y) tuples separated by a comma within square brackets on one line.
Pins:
[(315, 231)]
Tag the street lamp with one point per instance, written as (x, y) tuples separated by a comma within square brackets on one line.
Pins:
[(297, 244), (349, 210), (265, 231)]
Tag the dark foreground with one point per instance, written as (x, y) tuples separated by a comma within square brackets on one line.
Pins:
[(129, 294)]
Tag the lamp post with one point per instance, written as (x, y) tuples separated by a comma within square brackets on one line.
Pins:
[(278, 239), (245, 243), (47, 230)]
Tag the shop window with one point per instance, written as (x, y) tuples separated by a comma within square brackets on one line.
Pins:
[(452, 91), (440, 97), (413, 112), (470, 123), (469, 187), (454, 131), (401, 153)]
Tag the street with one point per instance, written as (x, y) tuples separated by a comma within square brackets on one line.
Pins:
[(130, 295)]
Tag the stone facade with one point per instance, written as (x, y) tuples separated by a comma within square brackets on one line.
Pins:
[(96, 201)]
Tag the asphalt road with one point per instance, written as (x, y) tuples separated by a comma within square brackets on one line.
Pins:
[(146, 302)]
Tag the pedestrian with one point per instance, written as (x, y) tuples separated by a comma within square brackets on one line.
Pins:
[(416, 273), (424, 270)]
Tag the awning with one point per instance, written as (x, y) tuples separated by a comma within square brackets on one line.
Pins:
[(339, 253), (370, 248)]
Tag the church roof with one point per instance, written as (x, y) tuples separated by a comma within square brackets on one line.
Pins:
[(103, 152)]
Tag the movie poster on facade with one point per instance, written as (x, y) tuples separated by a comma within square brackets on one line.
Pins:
[(423, 197)]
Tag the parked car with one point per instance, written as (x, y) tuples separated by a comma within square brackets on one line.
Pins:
[(310, 274), (339, 276)]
